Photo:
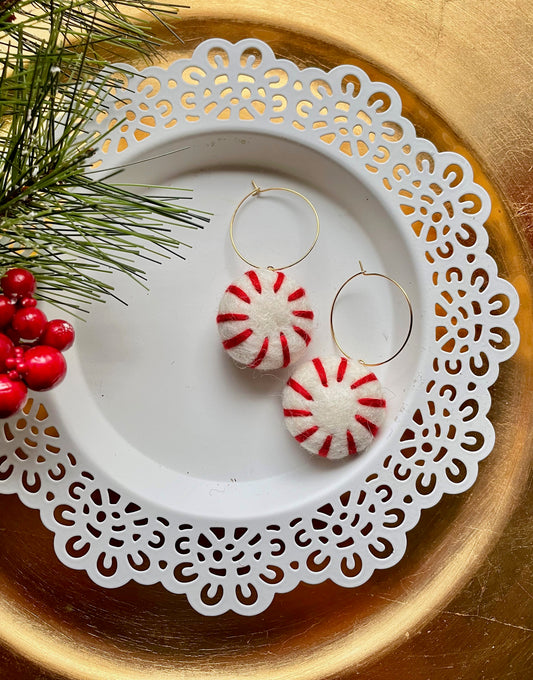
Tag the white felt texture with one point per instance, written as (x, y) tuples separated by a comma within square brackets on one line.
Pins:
[(265, 320), (327, 398)]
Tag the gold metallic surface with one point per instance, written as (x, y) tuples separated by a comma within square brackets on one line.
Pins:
[(460, 603)]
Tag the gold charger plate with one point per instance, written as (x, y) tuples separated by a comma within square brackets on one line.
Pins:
[(459, 604)]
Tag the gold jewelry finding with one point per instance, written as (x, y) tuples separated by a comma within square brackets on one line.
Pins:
[(256, 192), (383, 276)]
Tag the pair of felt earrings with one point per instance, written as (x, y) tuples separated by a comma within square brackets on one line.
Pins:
[(333, 406)]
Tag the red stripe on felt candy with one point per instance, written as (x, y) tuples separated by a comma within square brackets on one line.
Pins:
[(343, 363), (285, 349), (296, 295), (260, 356), (305, 336), (237, 339), (299, 388), (369, 401), (367, 424), (321, 371), (221, 318), (254, 280), (304, 313), (324, 449), (238, 292), (352, 448), (369, 377), (296, 413), (306, 434), (279, 280)]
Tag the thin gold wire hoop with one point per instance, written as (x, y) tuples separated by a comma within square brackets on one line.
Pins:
[(363, 272), (256, 192)]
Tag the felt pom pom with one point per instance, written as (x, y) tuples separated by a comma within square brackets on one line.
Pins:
[(333, 406), (265, 320)]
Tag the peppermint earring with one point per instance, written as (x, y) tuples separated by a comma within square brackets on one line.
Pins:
[(334, 406), (264, 318)]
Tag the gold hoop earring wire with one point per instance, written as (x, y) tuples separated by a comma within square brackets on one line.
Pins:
[(363, 272), (256, 192)]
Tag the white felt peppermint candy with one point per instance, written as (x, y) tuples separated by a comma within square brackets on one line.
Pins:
[(265, 320), (333, 407)]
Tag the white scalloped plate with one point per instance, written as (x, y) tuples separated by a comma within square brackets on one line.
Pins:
[(158, 460)]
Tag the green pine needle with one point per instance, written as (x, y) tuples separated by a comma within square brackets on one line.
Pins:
[(57, 218)]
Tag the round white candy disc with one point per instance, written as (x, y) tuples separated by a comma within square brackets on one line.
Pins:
[(265, 320), (333, 407)]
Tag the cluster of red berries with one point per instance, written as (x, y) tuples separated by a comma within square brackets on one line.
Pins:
[(30, 345)]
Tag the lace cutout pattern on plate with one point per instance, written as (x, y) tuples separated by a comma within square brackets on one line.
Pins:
[(241, 565)]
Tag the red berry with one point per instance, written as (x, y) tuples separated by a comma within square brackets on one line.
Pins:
[(28, 302), (58, 334), (6, 350), (17, 283), (45, 368), (12, 335), (7, 309), (29, 323), (12, 395)]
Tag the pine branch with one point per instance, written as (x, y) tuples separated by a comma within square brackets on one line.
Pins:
[(56, 217)]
